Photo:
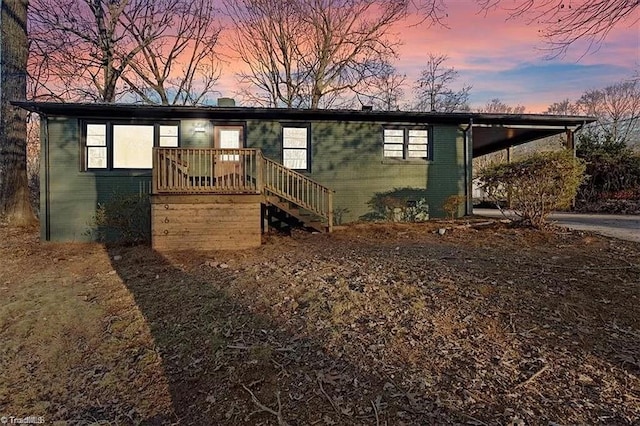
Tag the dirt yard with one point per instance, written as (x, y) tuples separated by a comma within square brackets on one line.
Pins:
[(371, 325)]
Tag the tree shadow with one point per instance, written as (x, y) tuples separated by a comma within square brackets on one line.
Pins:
[(488, 326), (227, 363)]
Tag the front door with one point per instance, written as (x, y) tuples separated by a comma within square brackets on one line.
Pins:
[(228, 172)]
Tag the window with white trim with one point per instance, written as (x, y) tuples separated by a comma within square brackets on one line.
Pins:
[(125, 146), (295, 147), (228, 136), (406, 143)]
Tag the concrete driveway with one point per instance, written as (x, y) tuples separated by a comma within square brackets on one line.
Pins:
[(624, 227)]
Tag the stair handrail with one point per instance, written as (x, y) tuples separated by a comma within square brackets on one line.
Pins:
[(297, 188)]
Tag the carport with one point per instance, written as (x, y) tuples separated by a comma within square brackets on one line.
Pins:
[(487, 133)]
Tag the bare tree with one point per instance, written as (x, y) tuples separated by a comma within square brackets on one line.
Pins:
[(113, 42), (179, 65), (434, 90), (307, 53), (564, 107), (90, 32), (617, 108), (385, 92), (565, 22), (496, 106), (268, 38), (15, 203)]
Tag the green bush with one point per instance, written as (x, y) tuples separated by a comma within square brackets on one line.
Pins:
[(398, 205), (613, 170), (536, 185), (125, 219)]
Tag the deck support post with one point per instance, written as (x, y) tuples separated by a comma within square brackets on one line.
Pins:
[(330, 209)]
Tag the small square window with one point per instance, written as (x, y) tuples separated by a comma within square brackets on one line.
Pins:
[(168, 136)]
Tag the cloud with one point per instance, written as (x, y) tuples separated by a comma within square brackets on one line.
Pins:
[(537, 85), (505, 58)]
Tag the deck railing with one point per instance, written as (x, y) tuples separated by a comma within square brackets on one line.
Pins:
[(298, 189), (237, 171), (206, 170)]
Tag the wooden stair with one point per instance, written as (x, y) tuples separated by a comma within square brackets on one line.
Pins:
[(288, 195), (292, 196), (289, 214)]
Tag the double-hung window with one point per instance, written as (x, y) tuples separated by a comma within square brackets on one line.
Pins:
[(96, 146), (121, 146), (406, 143), (295, 146)]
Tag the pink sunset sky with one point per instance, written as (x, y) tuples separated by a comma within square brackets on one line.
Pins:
[(504, 58)]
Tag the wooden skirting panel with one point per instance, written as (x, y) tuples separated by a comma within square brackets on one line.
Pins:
[(205, 222)]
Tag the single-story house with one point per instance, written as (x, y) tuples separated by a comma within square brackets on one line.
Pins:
[(219, 167)]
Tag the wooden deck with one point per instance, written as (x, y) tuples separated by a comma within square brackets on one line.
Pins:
[(205, 198)]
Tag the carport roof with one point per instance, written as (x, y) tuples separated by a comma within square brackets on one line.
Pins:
[(490, 132)]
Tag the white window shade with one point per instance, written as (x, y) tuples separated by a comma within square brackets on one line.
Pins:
[(168, 136), (96, 135), (132, 146), (418, 144), (295, 158), (229, 139), (96, 157), (393, 143), (294, 137), (393, 151), (295, 147)]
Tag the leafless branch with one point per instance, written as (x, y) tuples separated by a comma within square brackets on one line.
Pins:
[(305, 53), (567, 22), (434, 90), (154, 51), (262, 407)]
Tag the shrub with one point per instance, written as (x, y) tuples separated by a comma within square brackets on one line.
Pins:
[(536, 184), (338, 215), (613, 170), (398, 205), (452, 204), (125, 219)]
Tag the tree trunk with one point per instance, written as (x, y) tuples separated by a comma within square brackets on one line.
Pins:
[(14, 188)]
